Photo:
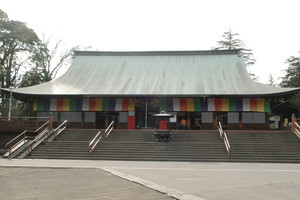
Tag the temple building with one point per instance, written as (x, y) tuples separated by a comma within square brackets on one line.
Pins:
[(203, 87)]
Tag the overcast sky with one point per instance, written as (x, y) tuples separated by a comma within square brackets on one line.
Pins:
[(270, 28)]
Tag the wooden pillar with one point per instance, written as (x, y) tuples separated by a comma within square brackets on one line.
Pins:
[(58, 117), (188, 120), (50, 121), (131, 120), (82, 119), (267, 121), (241, 127), (214, 121), (294, 121)]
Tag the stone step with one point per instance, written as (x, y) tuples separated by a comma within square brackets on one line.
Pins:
[(184, 146), (176, 158)]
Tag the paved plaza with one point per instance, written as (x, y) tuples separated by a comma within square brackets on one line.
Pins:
[(71, 179), (62, 183)]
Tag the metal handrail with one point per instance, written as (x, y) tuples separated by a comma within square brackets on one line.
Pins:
[(38, 139), (220, 130), (296, 128), (59, 129), (223, 136), (38, 130), (94, 142), (98, 137), (42, 136), (109, 129), (9, 145)]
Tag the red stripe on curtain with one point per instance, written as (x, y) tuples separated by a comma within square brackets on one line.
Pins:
[(253, 104), (92, 104), (183, 104), (59, 104), (218, 104), (125, 104)]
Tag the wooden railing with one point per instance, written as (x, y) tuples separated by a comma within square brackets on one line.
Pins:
[(98, 137), (223, 136), (21, 123), (25, 136), (296, 126)]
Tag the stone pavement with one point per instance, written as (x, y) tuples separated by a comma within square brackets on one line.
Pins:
[(63, 183), (68, 179)]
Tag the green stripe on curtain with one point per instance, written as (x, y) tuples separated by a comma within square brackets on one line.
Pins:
[(105, 104), (163, 105), (232, 104), (197, 105), (267, 106), (72, 105), (40, 105)]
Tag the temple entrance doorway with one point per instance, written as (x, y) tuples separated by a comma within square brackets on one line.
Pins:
[(103, 119), (223, 118), (144, 113), (100, 120)]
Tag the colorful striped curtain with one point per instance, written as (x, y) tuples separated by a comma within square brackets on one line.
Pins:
[(214, 104), (85, 104), (166, 104)]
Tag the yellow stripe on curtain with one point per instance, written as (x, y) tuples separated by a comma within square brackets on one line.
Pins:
[(260, 105), (131, 104), (99, 104), (35, 105), (66, 104), (225, 104), (190, 104)]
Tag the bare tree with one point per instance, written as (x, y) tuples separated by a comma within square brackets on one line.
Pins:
[(48, 61)]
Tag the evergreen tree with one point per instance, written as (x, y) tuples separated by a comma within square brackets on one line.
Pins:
[(292, 73), (231, 41), (271, 80), (292, 77), (16, 43), (25, 60)]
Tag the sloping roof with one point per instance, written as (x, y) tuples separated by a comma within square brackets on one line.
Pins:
[(166, 73)]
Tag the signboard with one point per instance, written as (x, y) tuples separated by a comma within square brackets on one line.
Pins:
[(173, 119)]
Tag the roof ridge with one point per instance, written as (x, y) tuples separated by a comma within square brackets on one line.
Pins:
[(156, 53)]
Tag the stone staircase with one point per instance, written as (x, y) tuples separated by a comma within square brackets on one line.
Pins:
[(135, 145), (264, 146), (191, 146), (184, 146), (70, 144)]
